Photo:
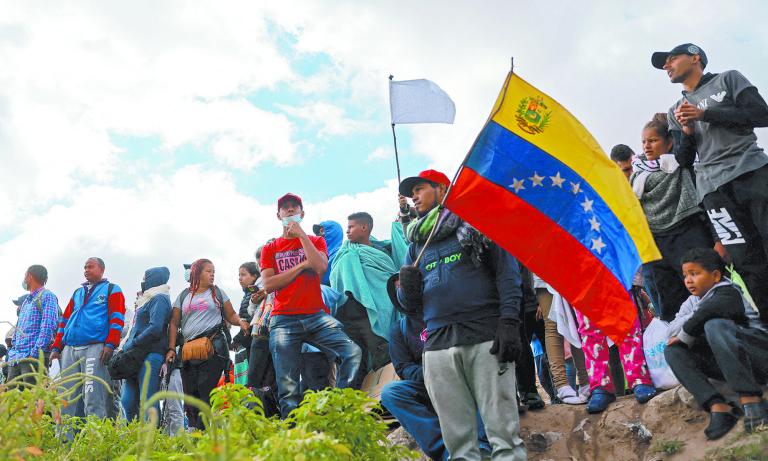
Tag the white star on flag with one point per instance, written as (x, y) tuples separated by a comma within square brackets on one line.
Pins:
[(517, 184), (557, 181), (537, 180), (598, 245), (595, 224), (575, 187), (587, 204)]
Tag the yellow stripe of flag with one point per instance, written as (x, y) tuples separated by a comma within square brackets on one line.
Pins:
[(562, 136)]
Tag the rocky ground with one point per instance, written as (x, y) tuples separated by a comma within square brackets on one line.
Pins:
[(669, 427)]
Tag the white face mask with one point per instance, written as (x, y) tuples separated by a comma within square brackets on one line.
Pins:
[(295, 218), (187, 272), (25, 285)]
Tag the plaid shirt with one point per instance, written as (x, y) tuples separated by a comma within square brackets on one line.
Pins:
[(36, 326)]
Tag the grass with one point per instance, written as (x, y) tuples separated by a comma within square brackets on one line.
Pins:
[(752, 447), (669, 447)]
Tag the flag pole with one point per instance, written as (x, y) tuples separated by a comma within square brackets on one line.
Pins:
[(461, 167), (394, 139)]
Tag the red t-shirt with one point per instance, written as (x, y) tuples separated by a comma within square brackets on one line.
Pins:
[(302, 296)]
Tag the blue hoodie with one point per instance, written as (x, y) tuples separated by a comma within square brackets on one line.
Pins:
[(150, 329), (333, 235)]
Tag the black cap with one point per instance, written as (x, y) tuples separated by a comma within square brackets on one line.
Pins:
[(660, 57), (316, 228)]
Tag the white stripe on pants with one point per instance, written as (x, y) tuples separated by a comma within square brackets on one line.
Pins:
[(464, 379)]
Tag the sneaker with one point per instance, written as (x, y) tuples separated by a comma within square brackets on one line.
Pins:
[(568, 396), (720, 423), (754, 416), (644, 392), (600, 400), (533, 401)]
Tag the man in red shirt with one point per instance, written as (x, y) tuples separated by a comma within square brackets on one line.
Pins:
[(291, 267)]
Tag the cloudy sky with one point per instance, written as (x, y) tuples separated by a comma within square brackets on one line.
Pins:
[(154, 133)]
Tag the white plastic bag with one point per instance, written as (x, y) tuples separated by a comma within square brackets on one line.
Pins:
[(54, 369), (654, 343)]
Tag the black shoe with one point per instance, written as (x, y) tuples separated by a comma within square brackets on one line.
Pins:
[(533, 401), (720, 423), (754, 416)]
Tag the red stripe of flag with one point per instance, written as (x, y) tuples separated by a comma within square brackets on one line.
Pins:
[(546, 249)]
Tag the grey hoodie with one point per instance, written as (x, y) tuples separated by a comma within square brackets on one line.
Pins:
[(723, 301)]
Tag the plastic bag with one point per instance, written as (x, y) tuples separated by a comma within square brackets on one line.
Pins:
[(54, 369), (654, 343)]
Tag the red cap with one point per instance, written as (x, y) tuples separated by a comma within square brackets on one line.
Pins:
[(289, 196), (433, 176)]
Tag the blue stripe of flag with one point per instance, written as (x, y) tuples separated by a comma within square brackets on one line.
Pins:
[(508, 160)]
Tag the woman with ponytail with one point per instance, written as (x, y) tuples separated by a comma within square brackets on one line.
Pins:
[(202, 312), (667, 193)]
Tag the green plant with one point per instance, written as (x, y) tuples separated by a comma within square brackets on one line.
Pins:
[(669, 447), (335, 424)]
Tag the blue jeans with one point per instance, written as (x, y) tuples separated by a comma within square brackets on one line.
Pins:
[(409, 402), (131, 396), (289, 332)]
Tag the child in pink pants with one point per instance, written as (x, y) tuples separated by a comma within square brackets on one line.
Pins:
[(595, 347)]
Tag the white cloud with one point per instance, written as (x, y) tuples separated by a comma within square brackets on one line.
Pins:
[(380, 153), (329, 119)]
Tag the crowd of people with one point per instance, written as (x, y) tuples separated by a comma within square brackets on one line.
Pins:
[(471, 333)]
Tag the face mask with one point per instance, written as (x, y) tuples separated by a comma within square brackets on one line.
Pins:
[(25, 285), (187, 272), (295, 218)]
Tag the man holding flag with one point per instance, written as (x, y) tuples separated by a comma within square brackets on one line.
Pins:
[(469, 291)]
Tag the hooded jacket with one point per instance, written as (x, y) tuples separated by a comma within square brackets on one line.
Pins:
[(150, 328), (723, 301), (456, 290), (406, 348), (333, 235)]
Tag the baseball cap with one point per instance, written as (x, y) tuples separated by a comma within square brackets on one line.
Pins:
[(407, 184), (289, 196), (660, 57), (316, 228), (20, 300)]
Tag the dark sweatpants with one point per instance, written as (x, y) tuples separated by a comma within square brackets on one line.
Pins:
[(525, 367), (738, 212), (665, 275), (727, 351)]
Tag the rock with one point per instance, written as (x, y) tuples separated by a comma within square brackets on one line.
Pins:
[(541, 442), (401, 437), (687, 398), (640, 431)]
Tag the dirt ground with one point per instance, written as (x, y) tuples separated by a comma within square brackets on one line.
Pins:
[(627, 431)]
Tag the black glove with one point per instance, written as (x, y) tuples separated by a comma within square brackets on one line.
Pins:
[(506, 345), (412, 285)]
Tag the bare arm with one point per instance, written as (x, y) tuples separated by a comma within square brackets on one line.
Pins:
[(232, 317), (173, 328), (317, 260), (274, 282)]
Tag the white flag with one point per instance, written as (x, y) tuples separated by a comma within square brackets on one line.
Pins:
[(419, 101)]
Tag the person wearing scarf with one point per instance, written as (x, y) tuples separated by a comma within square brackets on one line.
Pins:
[(667, 193), (468, 290), (148, 331)]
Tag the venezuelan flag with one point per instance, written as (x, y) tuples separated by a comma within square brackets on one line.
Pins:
[(537, 183)]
